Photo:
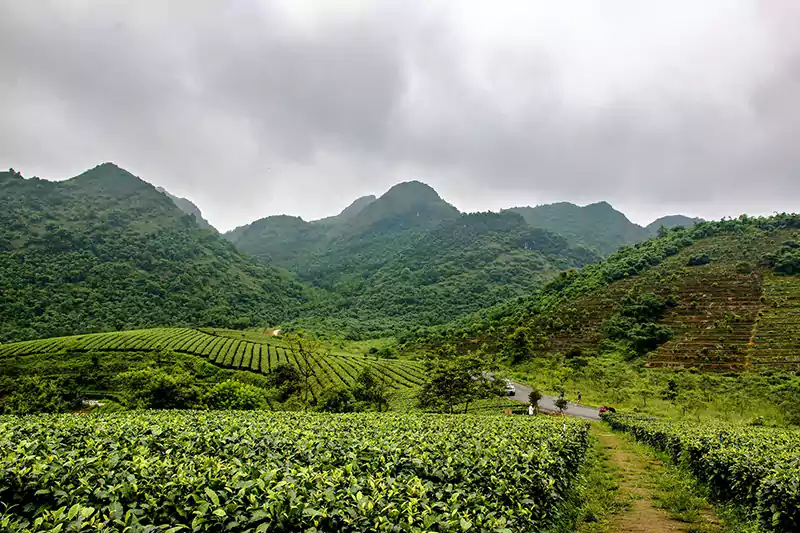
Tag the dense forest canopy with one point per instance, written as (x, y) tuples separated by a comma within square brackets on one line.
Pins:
[(106, 251)]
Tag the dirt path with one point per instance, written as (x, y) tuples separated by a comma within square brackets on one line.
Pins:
[(635, 477)]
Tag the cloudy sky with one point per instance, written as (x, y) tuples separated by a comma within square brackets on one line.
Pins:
[(257, 107)]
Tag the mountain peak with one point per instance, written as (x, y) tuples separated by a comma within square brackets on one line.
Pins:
[(109, 177), (413, 190)]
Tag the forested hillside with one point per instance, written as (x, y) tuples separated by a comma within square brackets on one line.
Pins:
[(105, 250), (597, 226), (409, 259), (721, 295), (189, 208)]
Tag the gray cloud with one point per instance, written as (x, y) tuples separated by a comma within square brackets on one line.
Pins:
[(255, 108)]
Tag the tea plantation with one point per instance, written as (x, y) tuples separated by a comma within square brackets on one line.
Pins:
[(236, 471), (757, 467), (227, 350)]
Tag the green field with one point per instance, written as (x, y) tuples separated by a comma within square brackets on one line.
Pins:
[(286, 472), (753, 466), (229, 350)]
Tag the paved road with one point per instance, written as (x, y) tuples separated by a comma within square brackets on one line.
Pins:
[(547, 403)]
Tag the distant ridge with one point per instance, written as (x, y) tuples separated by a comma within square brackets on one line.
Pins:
[(189, 208)]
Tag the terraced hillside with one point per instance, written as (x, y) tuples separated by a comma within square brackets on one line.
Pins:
[(725, 305), (226, 351)]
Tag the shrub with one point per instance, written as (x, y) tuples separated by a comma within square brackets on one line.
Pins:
[(337, 400), (157, 389), (698, 260), (232, 394)]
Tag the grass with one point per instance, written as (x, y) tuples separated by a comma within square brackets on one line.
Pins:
[(677, 491), (599, 491)]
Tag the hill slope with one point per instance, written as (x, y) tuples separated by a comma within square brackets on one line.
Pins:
[(409, 259), (189, 208), (120, 351), (105, 250), (723, 295), (669, 222), (597, 226)]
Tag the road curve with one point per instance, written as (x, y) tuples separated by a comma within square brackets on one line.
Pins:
[(547, 403)]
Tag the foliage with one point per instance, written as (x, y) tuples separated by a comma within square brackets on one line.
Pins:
[(454, 380), (369, 389), (286, 378), (598, 225), (285, 366), (754, 466), (232, 394), (156, 389), (786, 259), (534, 397), (561, 404), (698, 260), (408, 260), (338, 400), (36, 394), (107, 251), (712, 312), (172, 471)]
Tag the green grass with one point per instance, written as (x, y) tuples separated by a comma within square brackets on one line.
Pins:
[(598, 493)]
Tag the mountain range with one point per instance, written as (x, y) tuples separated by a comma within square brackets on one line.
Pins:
[(106, 250)]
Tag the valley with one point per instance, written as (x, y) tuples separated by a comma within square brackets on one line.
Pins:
[(360, 351)]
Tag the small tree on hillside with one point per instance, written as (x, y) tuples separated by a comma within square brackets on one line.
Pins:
[(534, 397), (306, 351), (459, 379), (562, 404), (369, 388)]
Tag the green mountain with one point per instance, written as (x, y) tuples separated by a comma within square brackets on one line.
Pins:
[(718, 295), (354, 243), (349, 212), (669, 222), (189, 208), (598, 226), (105, 250), (458, 267), (409, 259)]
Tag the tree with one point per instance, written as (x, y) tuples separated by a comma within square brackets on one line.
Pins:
[(286, 379), (306, 351), (562, 404), (151, 388), (371, 390), (519, 345), (534, 397), (458, 379), (337, 400), (232, 394)]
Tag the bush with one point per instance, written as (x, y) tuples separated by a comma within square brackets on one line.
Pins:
[(38, 394), (232, 394), (338, 400), (286, 379), (156, 389), (786, 260), (698, 260)]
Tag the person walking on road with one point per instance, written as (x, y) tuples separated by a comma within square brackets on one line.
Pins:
[(579, 397)]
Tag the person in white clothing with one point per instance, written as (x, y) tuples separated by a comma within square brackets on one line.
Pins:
[(530, 410)]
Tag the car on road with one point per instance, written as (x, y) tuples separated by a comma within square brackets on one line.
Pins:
[(511, 390)]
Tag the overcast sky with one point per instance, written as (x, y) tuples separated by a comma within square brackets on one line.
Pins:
[(251, 108)]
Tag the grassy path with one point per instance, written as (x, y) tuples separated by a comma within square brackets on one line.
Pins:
[(647, 497)]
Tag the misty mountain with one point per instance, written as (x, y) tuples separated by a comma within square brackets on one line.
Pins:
[(669, 222), (597, 226), (189, 208), (106, 250)]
